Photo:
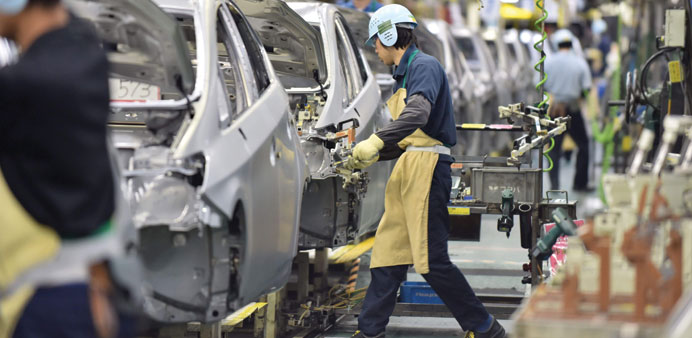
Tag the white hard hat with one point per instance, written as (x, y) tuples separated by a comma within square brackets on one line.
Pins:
[(561, 36), (12, 7), (384, 21)]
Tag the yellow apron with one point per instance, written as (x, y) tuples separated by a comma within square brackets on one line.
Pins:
[(402, 236), (24, 243)]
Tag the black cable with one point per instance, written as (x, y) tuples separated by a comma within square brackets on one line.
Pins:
[(316, 76), (686, 54), (179, 85), (643, 85)]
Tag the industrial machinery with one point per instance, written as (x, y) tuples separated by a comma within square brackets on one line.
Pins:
[(564, 226), (202, 153), (628, 269), (629, 266), (510, 185), (225, 187), (329, 93)]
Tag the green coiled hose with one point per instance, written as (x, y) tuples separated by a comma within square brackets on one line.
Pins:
[(538, 46)]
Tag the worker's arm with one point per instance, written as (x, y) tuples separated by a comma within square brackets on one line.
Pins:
[(415, 115), (390, 152)]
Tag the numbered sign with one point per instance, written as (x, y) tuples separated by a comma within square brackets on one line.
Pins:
[(131, 91)]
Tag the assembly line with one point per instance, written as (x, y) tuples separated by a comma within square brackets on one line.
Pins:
[(281, 168)]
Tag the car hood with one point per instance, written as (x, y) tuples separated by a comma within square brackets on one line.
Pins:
[(293, 46), (142, 42)]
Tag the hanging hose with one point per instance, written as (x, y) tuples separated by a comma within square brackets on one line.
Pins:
[(538, 46)]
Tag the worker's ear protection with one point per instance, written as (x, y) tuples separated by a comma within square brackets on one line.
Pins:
[(384, 22), (11, 7)]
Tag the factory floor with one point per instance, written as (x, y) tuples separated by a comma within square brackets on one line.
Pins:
[(492, 266)]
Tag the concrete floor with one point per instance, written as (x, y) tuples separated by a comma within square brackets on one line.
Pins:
[(492, 266)]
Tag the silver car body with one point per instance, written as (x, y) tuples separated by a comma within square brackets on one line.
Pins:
[(358, 24), (525, 74), (494, 91), (338, 205), (507, 68), (213, 168)]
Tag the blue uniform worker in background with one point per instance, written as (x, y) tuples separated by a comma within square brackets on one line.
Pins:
[(369, 6), (569, 80), (415, 226)]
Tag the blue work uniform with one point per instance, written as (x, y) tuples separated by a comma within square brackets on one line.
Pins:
[(372, 7), (426, 77), (568, 77)]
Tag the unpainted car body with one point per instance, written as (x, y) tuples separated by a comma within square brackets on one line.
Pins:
[(494, 91), (338, 205), (213, 166), (507, 67), (358, 24), (525, 73)]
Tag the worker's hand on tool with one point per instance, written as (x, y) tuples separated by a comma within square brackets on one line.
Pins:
[(352, 163), (368, 150)]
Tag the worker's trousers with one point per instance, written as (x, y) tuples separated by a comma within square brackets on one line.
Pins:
[(444, 277), (64, 312), (577, 131)]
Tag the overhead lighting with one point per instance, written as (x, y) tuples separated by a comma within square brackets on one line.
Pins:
[(509, 1)]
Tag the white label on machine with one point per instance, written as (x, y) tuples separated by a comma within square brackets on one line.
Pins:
[(675, 28), (132, 91)]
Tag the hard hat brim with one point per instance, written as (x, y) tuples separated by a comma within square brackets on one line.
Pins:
[(370, 42)]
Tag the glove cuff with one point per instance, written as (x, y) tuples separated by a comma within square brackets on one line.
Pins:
[(376, 141)]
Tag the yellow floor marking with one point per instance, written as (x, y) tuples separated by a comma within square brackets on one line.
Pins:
[(237, 317)]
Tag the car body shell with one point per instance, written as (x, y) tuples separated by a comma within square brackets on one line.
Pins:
[(494, 91), (525, 71), (358, 22), (507, 67), (352, 93), (226, 168)]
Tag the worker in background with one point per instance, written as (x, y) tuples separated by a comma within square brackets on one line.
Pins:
[(415, 226), (569, 80), (369, 6), (56, 181)]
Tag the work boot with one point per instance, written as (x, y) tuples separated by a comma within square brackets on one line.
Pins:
[(359, 334), (496, 331)]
